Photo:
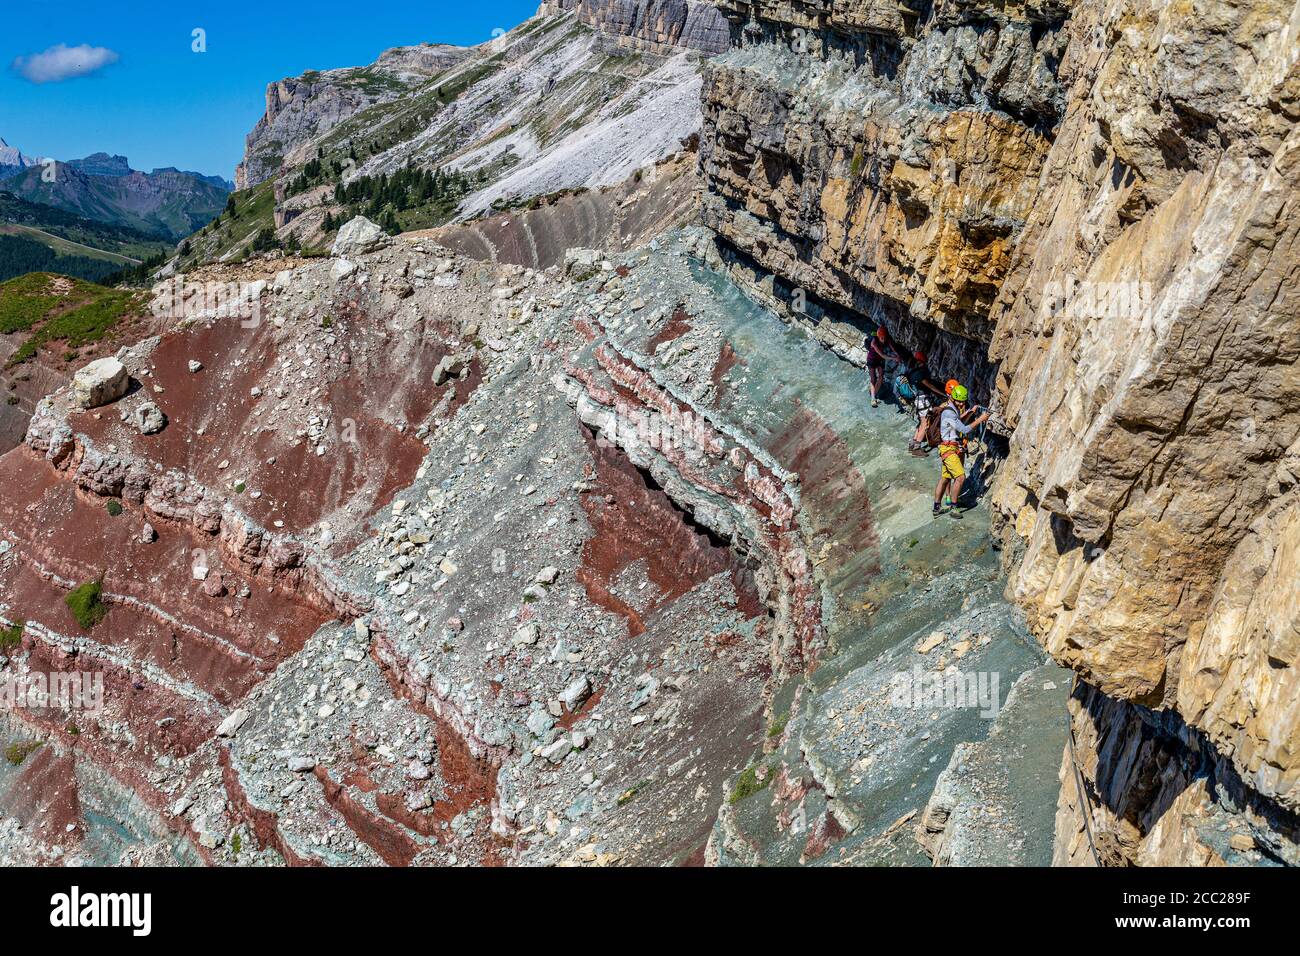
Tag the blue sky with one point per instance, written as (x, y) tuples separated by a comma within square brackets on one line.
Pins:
[(161, 104)]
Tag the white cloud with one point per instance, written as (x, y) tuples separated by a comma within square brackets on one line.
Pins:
[(63, 62)]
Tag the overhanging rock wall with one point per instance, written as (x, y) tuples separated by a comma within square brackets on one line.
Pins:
[(1088, 211)]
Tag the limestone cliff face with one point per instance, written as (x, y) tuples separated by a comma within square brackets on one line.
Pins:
[(654, 25), (1146, 340), (1090, 211), (882, 162), (301, 108)]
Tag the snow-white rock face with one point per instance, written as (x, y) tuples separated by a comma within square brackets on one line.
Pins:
[(575, 118), (102, 381), (566, 101), (631, 131), (12, 161)]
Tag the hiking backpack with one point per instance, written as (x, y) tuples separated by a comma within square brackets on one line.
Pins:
[(933, 434)]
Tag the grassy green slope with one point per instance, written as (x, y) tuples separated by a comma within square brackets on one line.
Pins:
[(229, 236), (47, 309)]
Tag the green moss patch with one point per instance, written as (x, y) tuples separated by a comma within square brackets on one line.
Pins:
[(11, 636), (86, 604), (748, 784), (17, 753)]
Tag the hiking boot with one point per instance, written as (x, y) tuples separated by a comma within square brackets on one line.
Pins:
[(938, 510), (954, 512)]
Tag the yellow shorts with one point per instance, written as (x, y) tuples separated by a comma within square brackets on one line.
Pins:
[(951, 462)]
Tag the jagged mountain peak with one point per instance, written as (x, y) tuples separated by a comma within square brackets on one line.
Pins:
[(102, 164), (12, 160)]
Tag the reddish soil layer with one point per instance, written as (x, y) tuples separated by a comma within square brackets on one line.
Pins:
[(727, 360), (158, 613), (44, 797), (159, 720), (470, 781), (635, 522), (674, 328), (264, 824), (822, 835), (367, 459), (394, 846), (567, 719)]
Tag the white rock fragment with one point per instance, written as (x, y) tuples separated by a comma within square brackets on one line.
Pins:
[(234, 720)]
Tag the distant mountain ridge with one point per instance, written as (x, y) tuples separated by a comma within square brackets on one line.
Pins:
[(102, 164), (168, 203)]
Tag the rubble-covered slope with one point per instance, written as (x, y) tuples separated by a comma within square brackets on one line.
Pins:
[(616, 218), (544, 591), (480, 638)]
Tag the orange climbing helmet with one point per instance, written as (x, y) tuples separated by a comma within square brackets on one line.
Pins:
[(949, 385), (882, 334)]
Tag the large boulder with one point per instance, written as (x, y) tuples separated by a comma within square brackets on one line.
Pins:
[(359, 236), (581, 262), (102, 381)]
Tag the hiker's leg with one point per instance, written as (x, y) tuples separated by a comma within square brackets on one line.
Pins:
[(956, 489), (952, 472), (876, 376), (938, 489)]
